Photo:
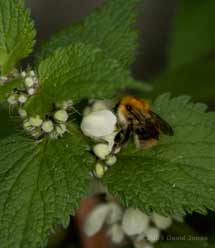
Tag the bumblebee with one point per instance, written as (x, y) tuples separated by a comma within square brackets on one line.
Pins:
[(136, 118)]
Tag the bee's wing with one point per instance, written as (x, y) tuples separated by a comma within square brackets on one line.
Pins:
[(161, 124), (145, 127)]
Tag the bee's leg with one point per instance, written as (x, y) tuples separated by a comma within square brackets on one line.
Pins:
[(121, 138)]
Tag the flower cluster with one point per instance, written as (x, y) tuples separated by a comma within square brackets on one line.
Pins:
[(54, 125), (19, 96), (12, 75), (100, 124), (129, 224)]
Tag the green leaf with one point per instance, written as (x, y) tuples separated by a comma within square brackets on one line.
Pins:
[(76, 72), (6, 88), (16, 34), (41, 184), (8, 124), (110, 28), (177, 175), (193, 32), (195, 79)]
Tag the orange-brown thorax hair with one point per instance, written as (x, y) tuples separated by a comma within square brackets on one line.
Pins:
[(134, 102)]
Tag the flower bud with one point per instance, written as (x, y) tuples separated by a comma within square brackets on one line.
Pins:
[(22, 113), (115, 214), (22, 98), (12, 100), (116, 233), (134, 221), (68, 105), (99, 124), (99, 170), (36, 132), (101, 150), (3, 79), (29, 82), (61, 129), (32, 73), (23, 74), (27, 126), (111, 160), (47, 126), (96, 219), (99, 105), (61, 116), (31, 91), (36, 121), (161, 222)]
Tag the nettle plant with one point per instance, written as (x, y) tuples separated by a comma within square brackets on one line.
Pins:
[(47, 162)]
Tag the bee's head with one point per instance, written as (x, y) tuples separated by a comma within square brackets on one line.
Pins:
[(128, 103)]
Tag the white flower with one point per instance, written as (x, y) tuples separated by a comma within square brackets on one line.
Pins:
[(96, 219), (67, 105), (61, 129), (111, 160), (99, 105), (29, 82), (115, 214), (161, 222), (61, 116), (22, 98), (101, 150), (32, 73), (116, 233), (99, 170), (22, 113), (99, 123), (47, 126), (27, 126), (12, 99), (134, 222), (3, 79), (23, 74), (36, 132), (36, 121), (31, 91), (152, 234)]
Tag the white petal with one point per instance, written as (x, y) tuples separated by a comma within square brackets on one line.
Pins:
[(110, 139), (96, 219), (99, 170), (99, 105), (61, 115), (22, 113), (161, 222), (116, 233), (47, 126), (134, 221), (31, 91), (111, 160), (12, 99), (29, 82), (115, 214), (36, 121), (101, 150), (22, 99), (99, 124)]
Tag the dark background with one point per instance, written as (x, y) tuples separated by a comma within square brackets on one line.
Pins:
[(154, 23)]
